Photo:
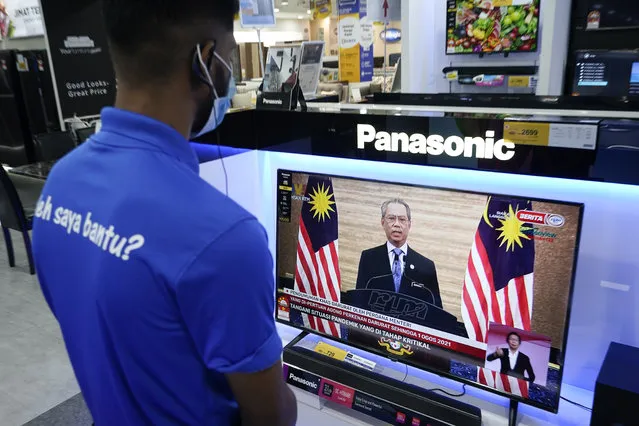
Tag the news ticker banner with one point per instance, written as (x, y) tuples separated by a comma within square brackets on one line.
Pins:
[(80, 57), (356, 40), (554, 135), (388, 329), (348, 397)]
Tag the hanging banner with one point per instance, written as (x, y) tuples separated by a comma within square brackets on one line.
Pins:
[(25, 19), (355, 42), (80, 57), (321, 8)]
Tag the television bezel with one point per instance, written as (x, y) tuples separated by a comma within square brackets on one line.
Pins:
[(502, 52), (408, 362)]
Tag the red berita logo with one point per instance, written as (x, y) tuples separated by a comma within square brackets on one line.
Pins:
[(532, 217), (540, 218)]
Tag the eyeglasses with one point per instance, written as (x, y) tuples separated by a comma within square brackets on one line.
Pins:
[(403, 220)]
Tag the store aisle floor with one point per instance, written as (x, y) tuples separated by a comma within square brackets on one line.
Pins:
[(35, 373)]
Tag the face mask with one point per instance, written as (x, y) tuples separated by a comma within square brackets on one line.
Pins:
[(220, 104)]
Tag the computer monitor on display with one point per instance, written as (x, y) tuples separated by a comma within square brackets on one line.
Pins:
[(474, 287), (606, 73)]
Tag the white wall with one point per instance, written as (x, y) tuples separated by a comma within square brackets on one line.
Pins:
[(286, 29)]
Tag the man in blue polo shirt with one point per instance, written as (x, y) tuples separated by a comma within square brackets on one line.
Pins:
[(163, 287)]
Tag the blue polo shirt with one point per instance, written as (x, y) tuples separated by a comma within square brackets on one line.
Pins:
[(161, 284)]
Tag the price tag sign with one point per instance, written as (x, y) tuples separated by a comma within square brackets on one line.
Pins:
[(331, 351), (526, 133), (519, 81), (452, 76)]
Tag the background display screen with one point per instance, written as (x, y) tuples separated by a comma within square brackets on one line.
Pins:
[(607, 73), (612, 14), (472, 286), (475, 26)]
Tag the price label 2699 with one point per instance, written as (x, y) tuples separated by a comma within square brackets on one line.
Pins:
[(527, 133)]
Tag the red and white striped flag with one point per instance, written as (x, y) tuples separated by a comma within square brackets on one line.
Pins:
[(503, 382), (317, 270), (498, 286)]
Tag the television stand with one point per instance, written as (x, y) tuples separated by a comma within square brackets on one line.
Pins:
[(512, 413), (361, 388)]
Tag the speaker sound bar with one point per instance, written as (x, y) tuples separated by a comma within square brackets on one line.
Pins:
[(413, 398)]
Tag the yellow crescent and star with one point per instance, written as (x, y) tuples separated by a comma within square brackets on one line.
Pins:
[(512, 229), (322, 202)]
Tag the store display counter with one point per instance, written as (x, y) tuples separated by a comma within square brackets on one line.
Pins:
[(571, 155)]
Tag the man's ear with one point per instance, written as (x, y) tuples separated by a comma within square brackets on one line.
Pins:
[(202, 60)]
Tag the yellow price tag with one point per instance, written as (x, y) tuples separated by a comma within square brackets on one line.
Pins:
[(525, 133), (519, 81), (331, 351), (285, 188), (453, 75), (500, 3)]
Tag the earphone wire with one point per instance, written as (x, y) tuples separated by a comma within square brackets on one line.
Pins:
[(219, 153), (217, 133)]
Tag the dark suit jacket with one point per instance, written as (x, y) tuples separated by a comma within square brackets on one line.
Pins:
[(522, 365), (374, 263)]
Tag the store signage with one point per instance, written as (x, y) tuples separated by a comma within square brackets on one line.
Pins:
[(356, 39), (84, 76), (391, 35), (452, 146), (25, 18)]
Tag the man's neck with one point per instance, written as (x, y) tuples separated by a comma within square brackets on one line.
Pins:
[(397, 245), (158, 106)]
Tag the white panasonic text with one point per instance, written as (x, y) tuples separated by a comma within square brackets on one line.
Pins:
[(453, 146)]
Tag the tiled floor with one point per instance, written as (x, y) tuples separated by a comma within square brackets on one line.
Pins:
[(35, 374)]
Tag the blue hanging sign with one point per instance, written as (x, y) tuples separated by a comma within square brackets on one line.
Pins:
[(391, 35)]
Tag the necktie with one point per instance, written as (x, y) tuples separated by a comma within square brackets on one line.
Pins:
[(397, 269)]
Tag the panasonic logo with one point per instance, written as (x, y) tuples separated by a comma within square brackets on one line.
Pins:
[(453, 146), (273, 101), (302, 381)]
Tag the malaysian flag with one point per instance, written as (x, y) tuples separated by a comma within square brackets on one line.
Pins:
[(317, 270), (503, 382), (498, 286)]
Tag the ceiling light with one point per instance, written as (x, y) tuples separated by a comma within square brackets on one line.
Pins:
[(284, 3), (308, 12), (276, 10), (300, 17)]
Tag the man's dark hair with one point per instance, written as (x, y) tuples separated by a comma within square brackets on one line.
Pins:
[(512, 333), (151, 39)]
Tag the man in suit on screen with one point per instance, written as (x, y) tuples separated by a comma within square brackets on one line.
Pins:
[(513, 362), (394, 266)]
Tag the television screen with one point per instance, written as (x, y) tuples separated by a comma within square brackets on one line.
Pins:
[(612, 14), (474, 287), (475, 26), (606, 73)]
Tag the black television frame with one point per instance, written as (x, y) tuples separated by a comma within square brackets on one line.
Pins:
[(381, 352), (503, 52)]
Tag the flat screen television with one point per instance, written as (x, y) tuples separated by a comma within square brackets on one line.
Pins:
[(612, 14), (609, 73), (478, 291), (476, 26)]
